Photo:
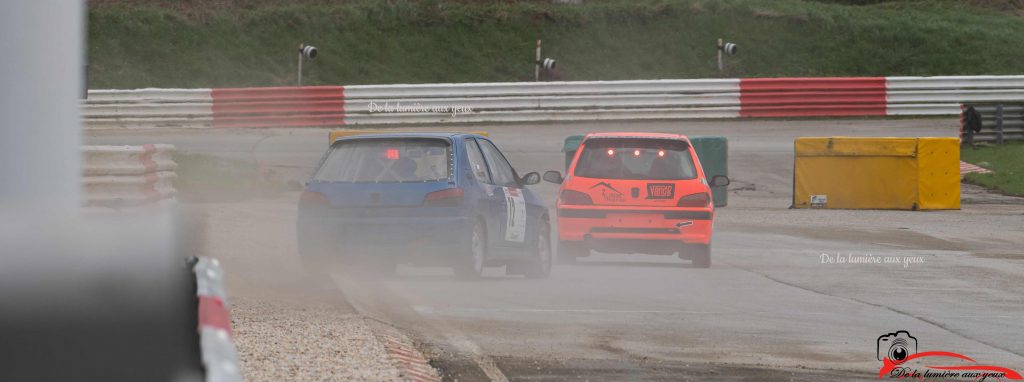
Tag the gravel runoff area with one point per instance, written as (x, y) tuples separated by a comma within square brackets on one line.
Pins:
[(277, 342), (290, 324)]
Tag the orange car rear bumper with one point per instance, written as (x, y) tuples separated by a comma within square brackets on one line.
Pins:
[(686, 225)]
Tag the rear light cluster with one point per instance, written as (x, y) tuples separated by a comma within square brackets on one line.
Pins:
[(694, 200), (574, 198), (445, 197), (313, 197)]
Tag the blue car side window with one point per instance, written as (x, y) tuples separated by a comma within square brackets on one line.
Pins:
[(476, 161), (501, 170)]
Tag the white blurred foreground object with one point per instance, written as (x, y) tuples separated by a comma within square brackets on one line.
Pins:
[(109, 298), (41, 73), (104, 299)]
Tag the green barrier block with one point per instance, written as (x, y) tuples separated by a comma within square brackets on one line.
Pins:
[(713, 153), (572, 143)]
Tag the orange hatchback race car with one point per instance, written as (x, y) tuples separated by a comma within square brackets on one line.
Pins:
[(635, 193)]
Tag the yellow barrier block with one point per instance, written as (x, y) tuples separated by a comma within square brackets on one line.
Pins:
[(334, 135), (938, 173), (876, 173)]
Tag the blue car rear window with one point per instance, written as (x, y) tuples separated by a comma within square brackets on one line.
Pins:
[(401, 160)]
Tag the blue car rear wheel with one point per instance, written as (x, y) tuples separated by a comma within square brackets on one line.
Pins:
[(539, 266), (470, 263)]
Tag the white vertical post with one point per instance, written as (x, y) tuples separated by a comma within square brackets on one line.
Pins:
[(720, 48), (40, 129), (300, 65), (536, 64)]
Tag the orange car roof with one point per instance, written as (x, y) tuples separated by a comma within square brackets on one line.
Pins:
[(635, 135)]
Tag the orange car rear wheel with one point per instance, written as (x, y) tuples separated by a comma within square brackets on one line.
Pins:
[(568, 251), (699, 254)]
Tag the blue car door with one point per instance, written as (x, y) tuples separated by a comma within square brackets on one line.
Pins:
[(492, 201), (513, 201)]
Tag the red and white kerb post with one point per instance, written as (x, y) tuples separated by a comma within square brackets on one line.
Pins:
[(217, 347)]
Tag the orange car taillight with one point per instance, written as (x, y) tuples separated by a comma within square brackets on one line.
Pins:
[(694, 200), (574, 198), (445, 197), (313, 197)]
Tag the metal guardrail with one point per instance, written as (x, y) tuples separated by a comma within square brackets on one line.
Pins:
[(992, 122), (545, 101)]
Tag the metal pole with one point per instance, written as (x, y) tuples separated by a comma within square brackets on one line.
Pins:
[(85, 80), (536, 64), (720, 55), (300, 65), (999, 124)]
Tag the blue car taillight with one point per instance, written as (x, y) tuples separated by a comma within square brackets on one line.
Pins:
[(313, 198), (445, 197)]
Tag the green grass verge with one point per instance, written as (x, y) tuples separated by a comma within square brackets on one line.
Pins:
[(1006, 162), (208, 178), (137, 43)]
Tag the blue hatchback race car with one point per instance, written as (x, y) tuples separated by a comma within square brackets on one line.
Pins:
[(424, 198)]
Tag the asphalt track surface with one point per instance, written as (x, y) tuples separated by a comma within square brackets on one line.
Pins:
[(767, 309)]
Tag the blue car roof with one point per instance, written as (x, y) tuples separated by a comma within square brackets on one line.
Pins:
[(408, 135)]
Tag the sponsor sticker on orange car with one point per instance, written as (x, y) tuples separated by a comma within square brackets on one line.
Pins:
[(608, 192), (661, 190)]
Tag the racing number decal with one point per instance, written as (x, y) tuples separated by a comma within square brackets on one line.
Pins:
[(515, 227)]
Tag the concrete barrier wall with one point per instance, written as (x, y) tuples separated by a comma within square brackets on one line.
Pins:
[(876, 173), (543, 101), (123, 177)]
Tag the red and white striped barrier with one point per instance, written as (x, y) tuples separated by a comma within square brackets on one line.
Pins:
[(219, 355), (411, 363), (544, 101), (279, 106), (967, 168), (812, 97), (121, 177)]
